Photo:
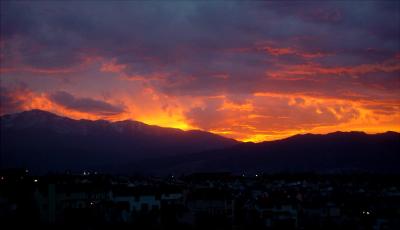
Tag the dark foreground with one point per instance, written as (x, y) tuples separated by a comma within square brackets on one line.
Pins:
[(199, 201)]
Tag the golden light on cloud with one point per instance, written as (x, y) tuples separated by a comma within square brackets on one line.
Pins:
[(165, 120), (260, 117), (256, 82)]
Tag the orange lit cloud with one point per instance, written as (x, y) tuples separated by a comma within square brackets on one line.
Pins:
[(278, 51), (270, 116), (295, 72), (258, 117), (253, 117), (258, 72), (21, 98), (112, 67)]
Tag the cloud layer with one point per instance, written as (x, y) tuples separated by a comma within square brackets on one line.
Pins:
[(86, 105), (248, 70)]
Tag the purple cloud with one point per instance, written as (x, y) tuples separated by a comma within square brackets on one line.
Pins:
[(86, 105)]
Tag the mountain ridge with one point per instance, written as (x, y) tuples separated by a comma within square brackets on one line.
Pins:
[(334, 152), (47, 142), (97, 143), (139, 123)]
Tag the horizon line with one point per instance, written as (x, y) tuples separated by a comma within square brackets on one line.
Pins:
[(201, 130)]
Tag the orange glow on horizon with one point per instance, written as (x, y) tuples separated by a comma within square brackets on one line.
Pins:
[(242, 121), (165, 121)]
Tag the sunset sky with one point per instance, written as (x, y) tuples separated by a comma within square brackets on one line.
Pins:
[(252, 71)]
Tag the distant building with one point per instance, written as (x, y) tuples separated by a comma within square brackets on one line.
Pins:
[(141, 199)]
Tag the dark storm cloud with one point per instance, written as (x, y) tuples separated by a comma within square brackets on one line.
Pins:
[(193, 44), (86, 105)]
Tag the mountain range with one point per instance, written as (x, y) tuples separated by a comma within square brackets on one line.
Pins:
[(42, 142)]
